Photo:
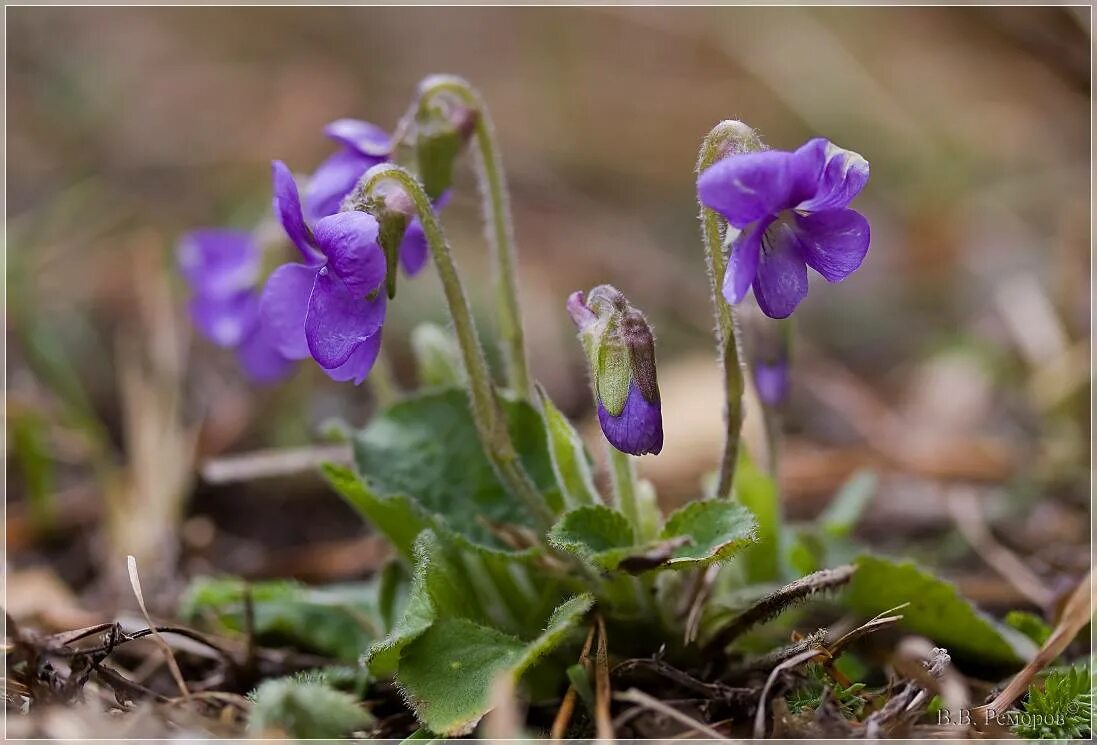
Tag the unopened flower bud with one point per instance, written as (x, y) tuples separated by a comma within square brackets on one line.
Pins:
[(771, 343), (443, 126), (621, 351)]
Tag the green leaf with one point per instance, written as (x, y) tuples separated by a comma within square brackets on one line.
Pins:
[(716, 529), (758, 492), (1028, 624), (597, 534), (936, 610), (337, 620), (437, 589), (842, 514), (398, 517), (570, 461), (426, 447), (446, 674), (304, 709)]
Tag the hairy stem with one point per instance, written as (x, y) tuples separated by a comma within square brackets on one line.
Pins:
[(498, 226), (491, 425), (723, 138), (623, 471)]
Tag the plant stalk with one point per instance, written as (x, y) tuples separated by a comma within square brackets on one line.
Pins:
[(725, 135), (498, 227), (491, 425)]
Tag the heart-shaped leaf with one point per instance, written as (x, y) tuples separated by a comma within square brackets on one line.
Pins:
[(716, 530), (426, 447), (337, 620), (597, 534), (398, 517), (937, 610), (447, 672)]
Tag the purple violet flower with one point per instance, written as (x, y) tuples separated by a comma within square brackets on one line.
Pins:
[(330, 307), (621, 351), (221, 266), (364, 145), (787, 211)]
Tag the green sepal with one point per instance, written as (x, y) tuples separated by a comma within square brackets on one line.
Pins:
[(437, 145), (613, 371)]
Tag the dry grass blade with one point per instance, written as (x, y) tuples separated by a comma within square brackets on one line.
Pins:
[(567, 706), (640, 698), (877, 622), (760, 714), (964, 506), (1076, 614), (775, 602), (176, 673), (602, 693), (705, 581)]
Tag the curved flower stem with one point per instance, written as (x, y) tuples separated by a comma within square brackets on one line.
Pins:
[(491, 424), (724, 137), (498, 226)]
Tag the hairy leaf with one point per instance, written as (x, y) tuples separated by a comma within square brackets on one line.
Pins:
[(716, 530), (305, 709), (337, 620), (398, 517), (936, 610), (570, 461), (446, 674), (426, 447), (597, 534)]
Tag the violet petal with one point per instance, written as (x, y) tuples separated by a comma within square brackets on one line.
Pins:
[(218, 262), (782, 278), (362, 137), (833, 242), (338, 320), (284, 306), (360, 362), (334, 179), (639, 427), (349, 240)]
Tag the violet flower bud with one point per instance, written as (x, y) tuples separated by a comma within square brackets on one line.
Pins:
[(621, 352), (442, 128), (771, 345), (771, 379)]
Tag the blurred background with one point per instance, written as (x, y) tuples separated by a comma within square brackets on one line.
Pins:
[(956, 361)]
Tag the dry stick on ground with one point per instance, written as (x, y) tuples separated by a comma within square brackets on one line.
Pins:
[(176, 673), (602, 693), (636, 696), (567, 706), (1076, 614), (275, 462), (964, 506)]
